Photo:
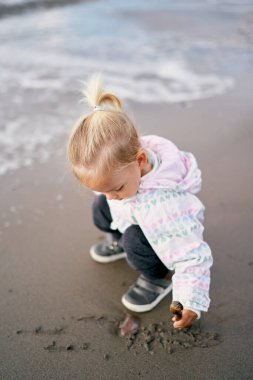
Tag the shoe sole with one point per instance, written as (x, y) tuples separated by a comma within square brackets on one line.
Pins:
[(148, 307), (106, 259)]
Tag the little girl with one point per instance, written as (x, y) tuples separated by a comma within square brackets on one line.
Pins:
[(145, 202)]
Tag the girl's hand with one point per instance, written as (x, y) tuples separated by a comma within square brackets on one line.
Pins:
[(188, 316)]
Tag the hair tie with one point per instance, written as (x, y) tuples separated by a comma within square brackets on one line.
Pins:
[(97, 108)]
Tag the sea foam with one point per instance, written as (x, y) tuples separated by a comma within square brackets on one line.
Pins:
[(43, 59)]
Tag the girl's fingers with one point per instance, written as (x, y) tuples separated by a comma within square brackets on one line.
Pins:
[(179, 325), (184, 322), (188, 317)]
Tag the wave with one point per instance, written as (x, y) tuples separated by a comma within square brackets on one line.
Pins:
[(43, 59), (18, 7)]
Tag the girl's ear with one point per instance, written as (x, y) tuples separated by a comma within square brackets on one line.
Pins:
[(142, 158)]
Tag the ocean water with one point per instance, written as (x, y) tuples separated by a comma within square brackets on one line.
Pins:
[(148, 51)]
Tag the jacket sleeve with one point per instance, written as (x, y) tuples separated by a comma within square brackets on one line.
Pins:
[(172, 223)]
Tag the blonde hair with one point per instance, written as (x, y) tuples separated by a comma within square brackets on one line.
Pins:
[(105, 140)]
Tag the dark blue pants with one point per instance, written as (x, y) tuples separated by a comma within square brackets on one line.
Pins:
[(140, 255)]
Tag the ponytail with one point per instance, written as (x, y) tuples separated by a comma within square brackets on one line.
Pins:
[(94, 94)]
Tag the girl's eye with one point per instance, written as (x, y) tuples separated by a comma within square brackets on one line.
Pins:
[(120, 188)]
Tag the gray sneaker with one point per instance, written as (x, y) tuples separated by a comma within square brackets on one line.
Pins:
[(145, 294), (107, 252)]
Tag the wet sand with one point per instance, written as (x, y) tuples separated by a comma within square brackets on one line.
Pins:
[(60, 311)]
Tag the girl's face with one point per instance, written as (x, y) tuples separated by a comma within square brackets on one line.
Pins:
[(124, 184)]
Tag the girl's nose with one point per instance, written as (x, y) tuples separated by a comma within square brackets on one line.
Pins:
[(112, 196), (109, 196)]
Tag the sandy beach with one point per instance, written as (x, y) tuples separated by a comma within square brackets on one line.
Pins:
[(60, 311), (48, 279)]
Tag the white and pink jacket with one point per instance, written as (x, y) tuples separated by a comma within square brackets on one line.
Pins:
[(171, 217)]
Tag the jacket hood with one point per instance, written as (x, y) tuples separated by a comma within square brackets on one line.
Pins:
[(172, 169)]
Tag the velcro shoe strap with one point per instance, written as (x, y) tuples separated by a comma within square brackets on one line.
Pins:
[(145, 284)]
